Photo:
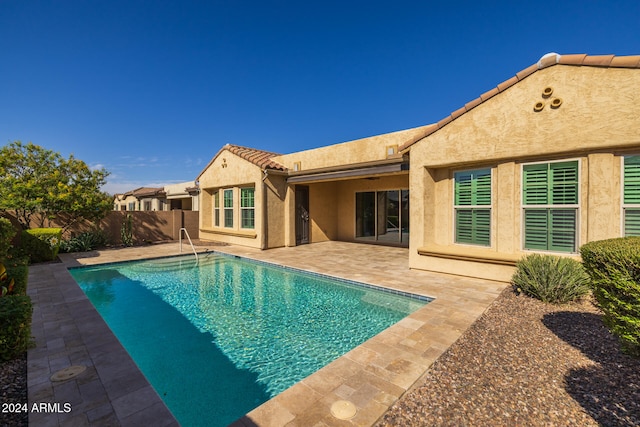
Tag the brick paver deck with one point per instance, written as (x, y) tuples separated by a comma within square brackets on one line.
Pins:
[(112, 391)]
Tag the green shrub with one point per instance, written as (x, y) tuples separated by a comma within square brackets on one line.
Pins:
[(15, 332), (41, 244), (126, 232), (7, 231), (614, 267), (19, 272), (84, 242), (7, 283), (551, 278)]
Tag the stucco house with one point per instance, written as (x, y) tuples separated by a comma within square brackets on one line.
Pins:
[(545, 162), (141, 199), (183, 196)]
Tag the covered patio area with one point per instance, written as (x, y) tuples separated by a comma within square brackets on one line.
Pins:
[(68, 331)]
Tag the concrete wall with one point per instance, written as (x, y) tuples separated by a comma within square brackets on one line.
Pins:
[(597, 122), (147, 226)]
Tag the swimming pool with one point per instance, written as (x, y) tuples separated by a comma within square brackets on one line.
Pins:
[(218, 337)]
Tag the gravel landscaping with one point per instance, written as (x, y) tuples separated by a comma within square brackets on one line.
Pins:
[(523, 363), (13, 390), (527, 363)]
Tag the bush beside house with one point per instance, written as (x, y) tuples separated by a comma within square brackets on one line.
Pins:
[(551, 278), (614, 268), (15, 305)]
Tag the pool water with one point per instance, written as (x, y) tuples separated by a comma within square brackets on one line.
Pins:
[(219, 336)]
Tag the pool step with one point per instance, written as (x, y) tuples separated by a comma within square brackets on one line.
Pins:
[(177, 263)]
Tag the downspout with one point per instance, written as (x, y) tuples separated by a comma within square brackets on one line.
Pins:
[(264, 232)]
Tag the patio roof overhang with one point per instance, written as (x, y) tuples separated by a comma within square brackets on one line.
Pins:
[(392, 167)]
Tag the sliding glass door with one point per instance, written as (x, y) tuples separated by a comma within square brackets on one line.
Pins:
[(383, 216)]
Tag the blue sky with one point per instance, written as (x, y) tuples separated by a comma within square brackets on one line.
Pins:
[(151, 90)]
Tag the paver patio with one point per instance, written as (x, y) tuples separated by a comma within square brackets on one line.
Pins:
[(112, 391)]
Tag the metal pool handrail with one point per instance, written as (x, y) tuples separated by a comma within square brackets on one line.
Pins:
[(190, 242)]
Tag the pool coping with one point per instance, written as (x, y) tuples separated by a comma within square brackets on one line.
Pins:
[(68, 331)]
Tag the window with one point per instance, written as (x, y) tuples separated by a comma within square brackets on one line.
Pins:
[(383, 217), (216, 209), (247, 208), (228, 208), (147, 205), (631, 196), (550, 204), (472, 205), (132, 206)]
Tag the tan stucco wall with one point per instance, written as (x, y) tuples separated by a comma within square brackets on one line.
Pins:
[(228, 171), (600, 108), (353, 152), (275, 190), (125, 201), (598, 120), (323, 212), (332, 205)]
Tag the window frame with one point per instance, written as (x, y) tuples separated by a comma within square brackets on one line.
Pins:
[(625, 206), (216, 208), (248, 209), (228, 209), (473, 208), (551, 208)]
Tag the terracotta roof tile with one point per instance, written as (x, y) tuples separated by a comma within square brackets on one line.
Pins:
[(489, 94), (443, 122), (598, 60), (259, 158), (508, 83), (626, 61), (458, 112), (547, 60), (527, 71), (472, 104), (572, 59)]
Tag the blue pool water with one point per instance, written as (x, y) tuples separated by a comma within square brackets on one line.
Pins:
[(220, 336)]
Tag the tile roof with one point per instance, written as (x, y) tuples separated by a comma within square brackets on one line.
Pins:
[(145, 191), (259, 158), (548, 60)]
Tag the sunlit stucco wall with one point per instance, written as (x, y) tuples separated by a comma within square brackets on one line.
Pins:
[(597, 122), (229, 171)]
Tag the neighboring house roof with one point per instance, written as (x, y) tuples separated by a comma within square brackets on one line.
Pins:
[(144, 192), (548, 60), (259, 158)]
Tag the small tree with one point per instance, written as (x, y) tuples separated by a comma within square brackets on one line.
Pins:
[(39, 185)]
